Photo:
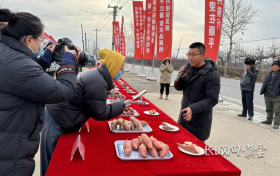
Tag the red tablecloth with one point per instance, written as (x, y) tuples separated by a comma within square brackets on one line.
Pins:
[(101, 158)]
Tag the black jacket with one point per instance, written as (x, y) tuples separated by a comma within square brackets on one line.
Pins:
[(275, 89), (201, 94), (24, 90), (89, 101), (248, 79)]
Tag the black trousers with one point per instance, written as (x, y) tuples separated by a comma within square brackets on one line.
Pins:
[(166, 87), (247, 102)]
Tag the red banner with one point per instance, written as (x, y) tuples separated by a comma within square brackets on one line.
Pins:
[(150, 29), (122, 40), (116, 30), (138, 29), (164, 28), (213, 27)]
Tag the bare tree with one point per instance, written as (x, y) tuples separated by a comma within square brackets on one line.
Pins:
[(129, 38), (238, 14), (274, 51), (259, 54)]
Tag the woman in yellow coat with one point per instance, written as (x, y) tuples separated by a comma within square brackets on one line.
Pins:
[(165, 77)]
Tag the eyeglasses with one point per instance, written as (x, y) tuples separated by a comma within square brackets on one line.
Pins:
[(193, 55)]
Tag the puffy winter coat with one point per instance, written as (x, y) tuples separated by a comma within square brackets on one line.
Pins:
[(201, 94), (165, 73), (24, 90), (89, 101), (248, 79)]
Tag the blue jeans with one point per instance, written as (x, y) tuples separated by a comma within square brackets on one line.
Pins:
[(49, 137)]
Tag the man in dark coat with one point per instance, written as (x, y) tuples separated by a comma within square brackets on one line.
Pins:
[(247, 85), (201, 87), (271, 91), (89, 101)]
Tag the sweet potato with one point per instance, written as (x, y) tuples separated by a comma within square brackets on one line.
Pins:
[(120, 121), (129, 112), (134, 120), (154, 111), (143, 150), (127, 126), (187, 143), (127, 148), (114, 124), (156, 143), (140, 139), (144, 123), (121, 127), (191, 148), (164, 151), (147, 141), (133, 127), (139, 126), (135, 143), (153, 152), (151, 112)]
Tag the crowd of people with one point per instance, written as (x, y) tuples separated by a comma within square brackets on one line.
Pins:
[(34, 104)]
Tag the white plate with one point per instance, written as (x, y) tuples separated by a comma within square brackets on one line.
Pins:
[(135, 154), (147, 113), (136, 114), (191, 153), (172, 126), (146, 129), (117, 89)]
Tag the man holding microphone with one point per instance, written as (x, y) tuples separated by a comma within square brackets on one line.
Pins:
[(201, 87)]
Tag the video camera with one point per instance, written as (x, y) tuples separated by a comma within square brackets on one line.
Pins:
[(59, 51)]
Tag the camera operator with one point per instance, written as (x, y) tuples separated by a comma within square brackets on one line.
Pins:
[(24, 91)]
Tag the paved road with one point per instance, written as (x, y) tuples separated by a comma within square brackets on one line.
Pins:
[(230, 89)]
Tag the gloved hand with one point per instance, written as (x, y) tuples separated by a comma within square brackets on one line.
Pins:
[(70, 56), (126, 102)]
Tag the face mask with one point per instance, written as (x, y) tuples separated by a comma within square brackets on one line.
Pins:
[(118, 76)]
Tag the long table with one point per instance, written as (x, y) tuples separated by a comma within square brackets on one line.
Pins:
[(101, 158)]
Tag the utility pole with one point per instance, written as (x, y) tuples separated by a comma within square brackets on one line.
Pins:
[(88, 46), (86, 42), (96, 43), (82, 37), (114, 19)]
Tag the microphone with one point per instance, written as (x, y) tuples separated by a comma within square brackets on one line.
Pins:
[(183, 72)]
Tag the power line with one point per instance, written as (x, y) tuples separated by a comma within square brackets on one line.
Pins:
[(100, 19), (273, 38), (106, 23), (69, 14)]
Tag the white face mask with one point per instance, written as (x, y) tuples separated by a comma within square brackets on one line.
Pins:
[(41, 45)]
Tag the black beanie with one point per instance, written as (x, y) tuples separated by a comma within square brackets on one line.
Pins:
[(249, 61), (276, 63)]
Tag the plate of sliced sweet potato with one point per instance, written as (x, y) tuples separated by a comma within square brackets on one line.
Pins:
[(151, 112), (190, 148), (168, 127)]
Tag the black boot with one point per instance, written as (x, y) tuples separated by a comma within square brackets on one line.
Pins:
[(266, 122), (242, 115), (250, 118)]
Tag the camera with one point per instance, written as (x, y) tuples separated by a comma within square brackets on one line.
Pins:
[(59, 51)]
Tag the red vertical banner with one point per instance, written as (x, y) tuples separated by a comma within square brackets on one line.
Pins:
[(138, 29), (164, 28), (122, 40), (213, 27), (150, 29), (116, 29)]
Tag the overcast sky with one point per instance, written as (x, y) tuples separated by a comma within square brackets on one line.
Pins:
[(63, 18)]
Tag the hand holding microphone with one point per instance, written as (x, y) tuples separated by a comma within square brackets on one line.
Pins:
[(183, 72)]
